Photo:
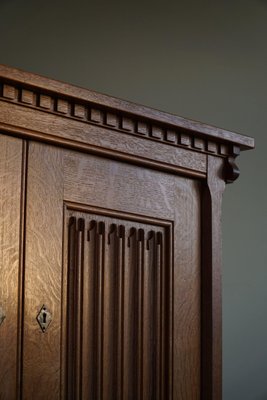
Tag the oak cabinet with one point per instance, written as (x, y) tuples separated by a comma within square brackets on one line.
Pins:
[(110, 258)]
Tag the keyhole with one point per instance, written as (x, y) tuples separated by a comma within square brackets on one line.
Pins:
[(44, 317)]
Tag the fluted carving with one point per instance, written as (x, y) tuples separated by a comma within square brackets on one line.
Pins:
[(118, 315)]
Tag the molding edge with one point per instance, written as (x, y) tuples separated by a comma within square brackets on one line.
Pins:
[(106, 117)]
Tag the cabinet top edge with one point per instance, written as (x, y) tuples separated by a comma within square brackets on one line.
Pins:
[(52, 86)]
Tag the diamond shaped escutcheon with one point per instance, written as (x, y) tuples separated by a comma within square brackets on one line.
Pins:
[(44, 318)]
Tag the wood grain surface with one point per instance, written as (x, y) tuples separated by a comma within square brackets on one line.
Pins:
[(38, 83), (130, 193), (43, 270), (187, 292), (118, 186), (212, 282), (68, 132), (133, 190), (11, 189), (110, 218), (118, 332)]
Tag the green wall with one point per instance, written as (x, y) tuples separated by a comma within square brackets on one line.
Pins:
[(203, 60)]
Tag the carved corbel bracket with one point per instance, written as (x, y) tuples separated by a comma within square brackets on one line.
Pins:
[(231, 171)]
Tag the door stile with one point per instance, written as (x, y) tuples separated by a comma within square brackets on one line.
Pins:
[(211, 281), (12, 174), (43, 272)]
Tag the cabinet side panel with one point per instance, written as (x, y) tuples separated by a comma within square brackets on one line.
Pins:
[(43, 260), (11, 158)]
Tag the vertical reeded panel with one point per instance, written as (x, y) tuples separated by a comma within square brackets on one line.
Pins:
[(118, 308)]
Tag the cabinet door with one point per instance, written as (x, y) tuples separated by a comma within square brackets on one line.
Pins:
[(112, 270)]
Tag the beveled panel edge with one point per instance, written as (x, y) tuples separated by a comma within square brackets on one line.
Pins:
[(48, 95), (80, 207)]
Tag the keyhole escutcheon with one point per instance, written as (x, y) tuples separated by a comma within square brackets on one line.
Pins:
[(44, 318)]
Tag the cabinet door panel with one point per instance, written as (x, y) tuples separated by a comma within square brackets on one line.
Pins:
[(113, 252)]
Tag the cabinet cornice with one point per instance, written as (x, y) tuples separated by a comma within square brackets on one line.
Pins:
[(74, 103)]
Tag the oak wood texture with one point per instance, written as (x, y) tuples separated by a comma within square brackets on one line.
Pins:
[(133, 190), (11, 214), (211, 282), (65, 90), (96, 139), (43, 270), (110, 216), (37, 107), (118, 286), (49, 168)]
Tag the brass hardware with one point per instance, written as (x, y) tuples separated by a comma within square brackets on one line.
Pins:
[(44, 318), (2, 315)]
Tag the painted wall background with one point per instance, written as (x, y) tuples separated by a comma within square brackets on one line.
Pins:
[(202, 60)]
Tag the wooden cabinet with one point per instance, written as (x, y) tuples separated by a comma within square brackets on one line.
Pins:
[(110, 258)]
